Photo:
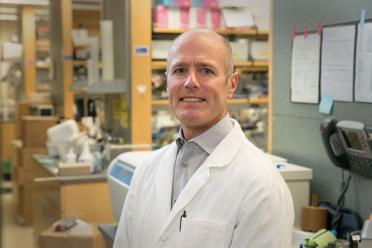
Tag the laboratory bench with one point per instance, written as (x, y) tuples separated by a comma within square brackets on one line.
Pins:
[(85, 196)]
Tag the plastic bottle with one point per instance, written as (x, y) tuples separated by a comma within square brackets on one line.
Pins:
[(86, 155), (71, 156), (367, 228)]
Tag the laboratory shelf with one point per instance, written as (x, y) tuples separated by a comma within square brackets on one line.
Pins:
[(228, 31)]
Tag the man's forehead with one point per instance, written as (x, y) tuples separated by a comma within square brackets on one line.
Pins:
[(197, 39), (192, 61)]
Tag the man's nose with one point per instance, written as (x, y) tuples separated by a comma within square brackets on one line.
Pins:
[(191, 81)]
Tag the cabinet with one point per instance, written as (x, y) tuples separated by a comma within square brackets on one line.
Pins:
[(250, 105)]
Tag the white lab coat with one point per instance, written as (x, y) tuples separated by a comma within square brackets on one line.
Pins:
[(235, 199)]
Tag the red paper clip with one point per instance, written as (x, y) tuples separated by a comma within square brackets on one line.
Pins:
[(306, 31), (293, 32), (319, 28)]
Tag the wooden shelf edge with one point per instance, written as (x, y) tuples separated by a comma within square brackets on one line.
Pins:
[(256, 100), (245, 31), (158, 64), (160, 102)]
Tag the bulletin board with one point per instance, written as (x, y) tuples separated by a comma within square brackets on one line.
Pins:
[(296, 125)]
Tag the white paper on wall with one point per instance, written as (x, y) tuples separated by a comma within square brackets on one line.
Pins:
[(337, 65), (363, 69), (305, 69)]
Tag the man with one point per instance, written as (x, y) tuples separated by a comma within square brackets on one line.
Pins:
[(212, 187)]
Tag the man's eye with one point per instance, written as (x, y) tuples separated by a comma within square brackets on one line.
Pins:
[(179, 71), (206, 71)]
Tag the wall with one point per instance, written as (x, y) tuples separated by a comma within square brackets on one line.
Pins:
[(296, 126)]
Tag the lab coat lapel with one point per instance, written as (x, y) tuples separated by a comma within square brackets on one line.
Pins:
[(163, 183), (221, 156), (196, 182)]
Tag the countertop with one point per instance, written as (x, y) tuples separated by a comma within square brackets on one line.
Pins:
[(51, 166)]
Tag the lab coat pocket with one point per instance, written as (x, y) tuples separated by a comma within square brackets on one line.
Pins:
[(202, 233)]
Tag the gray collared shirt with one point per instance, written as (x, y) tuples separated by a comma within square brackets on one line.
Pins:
[(193, 153)]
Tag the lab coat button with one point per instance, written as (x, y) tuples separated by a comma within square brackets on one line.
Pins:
[(164, 238)]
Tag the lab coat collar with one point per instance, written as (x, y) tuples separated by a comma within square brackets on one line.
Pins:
[(224, 153), (221, 156)]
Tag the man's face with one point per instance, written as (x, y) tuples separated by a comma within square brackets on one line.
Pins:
[(198, 84)]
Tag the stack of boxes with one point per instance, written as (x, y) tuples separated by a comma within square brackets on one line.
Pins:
[(187, 14), (31, 139)]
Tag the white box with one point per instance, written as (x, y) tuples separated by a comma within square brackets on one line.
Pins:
[(160, 48), (12, 51), (298, 181), (259, 50), (240, 50)]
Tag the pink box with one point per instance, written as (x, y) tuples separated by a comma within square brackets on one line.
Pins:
[(185, 17), (161, 16), (201, 14), (211, 4), (184, 3), (216, 18)]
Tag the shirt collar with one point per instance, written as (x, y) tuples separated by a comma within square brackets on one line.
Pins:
[(209, 140)]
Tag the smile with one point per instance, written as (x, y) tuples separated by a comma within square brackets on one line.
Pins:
[(192, 99)]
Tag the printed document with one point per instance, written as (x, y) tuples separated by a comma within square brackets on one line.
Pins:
[(305, 69), (363, 71), (337, 65)]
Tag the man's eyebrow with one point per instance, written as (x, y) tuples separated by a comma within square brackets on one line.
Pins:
[(203, 64), (178, 64)]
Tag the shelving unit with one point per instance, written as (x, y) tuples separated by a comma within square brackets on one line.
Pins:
[(240, 32), (246, 66), (138, 91)]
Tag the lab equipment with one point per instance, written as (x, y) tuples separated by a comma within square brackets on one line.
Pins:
[(297, 179), (119, 177), (348, 144), (59, 137)]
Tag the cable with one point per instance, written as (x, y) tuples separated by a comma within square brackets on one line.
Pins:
[(341, 201)]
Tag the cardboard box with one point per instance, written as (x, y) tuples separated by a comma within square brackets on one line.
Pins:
[(83, 235), (23, 108), (34, 130), (74, 169)]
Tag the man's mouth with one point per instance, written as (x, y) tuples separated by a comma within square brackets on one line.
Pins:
[(192, 99)]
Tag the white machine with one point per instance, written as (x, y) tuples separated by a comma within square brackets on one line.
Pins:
[(119, 176)]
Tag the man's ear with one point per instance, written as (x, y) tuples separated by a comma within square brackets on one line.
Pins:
[(232, 84)]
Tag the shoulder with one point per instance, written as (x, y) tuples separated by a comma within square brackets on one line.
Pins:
[(256, 169), (154, 161)]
